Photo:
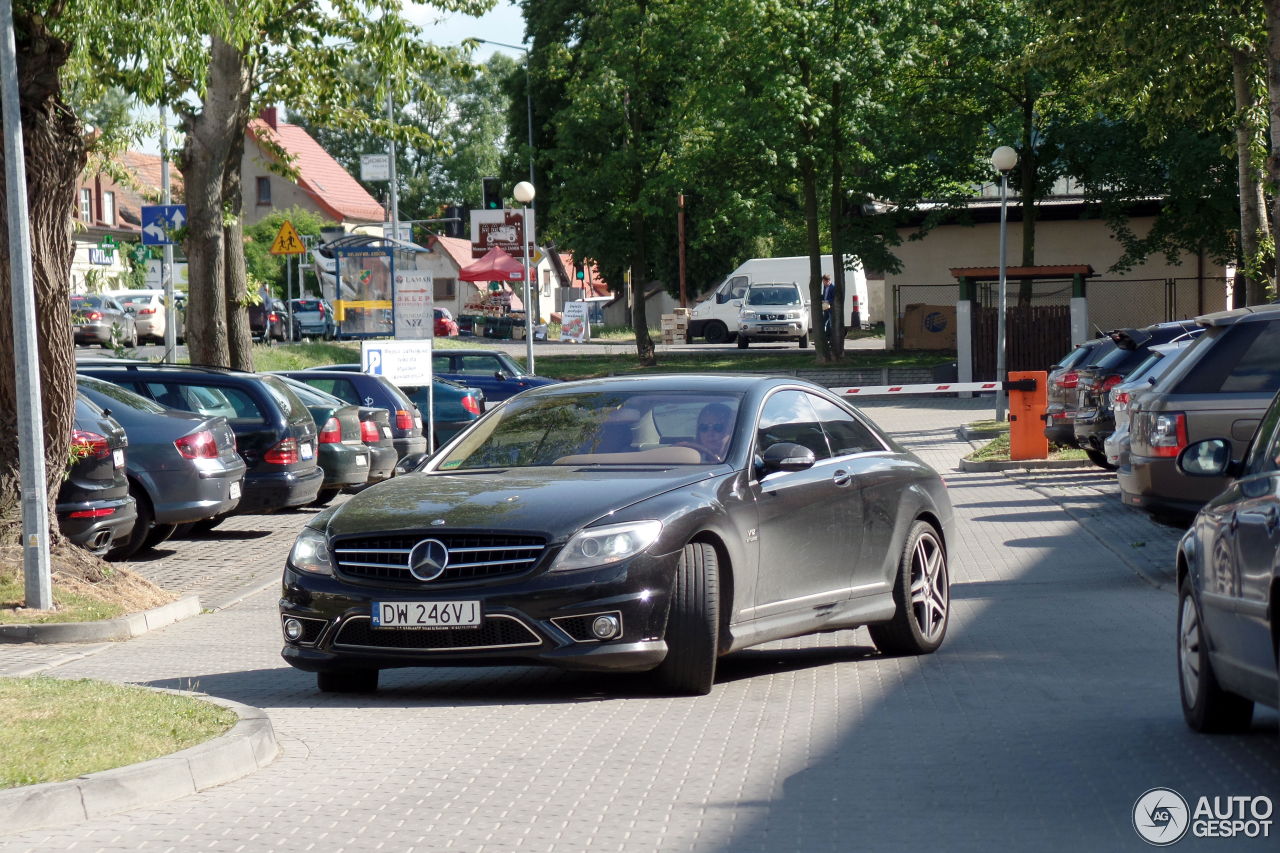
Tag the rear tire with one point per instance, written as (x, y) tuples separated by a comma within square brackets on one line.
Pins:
[(159, 533), (1205, 705), (922, 595), (205, 525), (323, 498), (1097, 457), (141, 526), (693, 625), (347, 681)]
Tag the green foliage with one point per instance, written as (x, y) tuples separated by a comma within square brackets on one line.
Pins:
[(265, 268)]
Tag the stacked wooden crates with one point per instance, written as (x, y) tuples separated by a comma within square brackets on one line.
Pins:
[(675, 326)]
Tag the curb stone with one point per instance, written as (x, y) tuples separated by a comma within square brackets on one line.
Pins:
[(1023, 464), (123, 628), (249, 745)]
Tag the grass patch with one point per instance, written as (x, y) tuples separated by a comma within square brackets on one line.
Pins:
[(57, 729), (997, 450), (304, 354), (72, 605)]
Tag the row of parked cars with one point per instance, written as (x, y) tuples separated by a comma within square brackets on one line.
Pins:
[(164, 446), (123, 317), (1188, 414), (314, 318)]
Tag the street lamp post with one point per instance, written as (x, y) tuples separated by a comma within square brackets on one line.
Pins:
[(1003, 159), (528, 96), (523, 193)]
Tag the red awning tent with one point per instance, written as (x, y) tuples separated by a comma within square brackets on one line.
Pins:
[(496, 265)]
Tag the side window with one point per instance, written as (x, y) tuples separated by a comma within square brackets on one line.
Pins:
[(1258, 368), (788, 416), (478, 365), (440, 364), (845, 432), (1264, 453), (290, 406)]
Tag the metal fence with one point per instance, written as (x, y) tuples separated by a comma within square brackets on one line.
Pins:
[(1133, 303)]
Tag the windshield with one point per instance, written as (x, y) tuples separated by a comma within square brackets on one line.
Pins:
[(601, 428), (774, 295)]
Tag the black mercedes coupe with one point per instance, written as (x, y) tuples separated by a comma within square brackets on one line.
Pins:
[(627, 524)]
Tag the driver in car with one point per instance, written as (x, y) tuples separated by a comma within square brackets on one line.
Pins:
[(715, 428)]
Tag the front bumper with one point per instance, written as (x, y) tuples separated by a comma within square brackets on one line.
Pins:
[(777, 330), (538, 618)]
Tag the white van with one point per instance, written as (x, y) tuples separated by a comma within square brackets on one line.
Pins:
[(715, 318)]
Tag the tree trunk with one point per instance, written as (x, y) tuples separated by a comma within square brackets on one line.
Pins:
[(239, 336), (1027, 166), (1249, 287), (1273, 93), (832, 349), (813, 244), (55, 156), (210, 134)]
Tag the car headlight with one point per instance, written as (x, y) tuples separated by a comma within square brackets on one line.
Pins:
[(601, 546), (793, 315), (749, 315), (311, 553)]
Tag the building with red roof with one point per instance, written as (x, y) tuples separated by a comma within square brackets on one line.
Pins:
[(323, 186)]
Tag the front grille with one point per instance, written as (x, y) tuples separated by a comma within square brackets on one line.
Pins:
[(472, 556), (497, 632), (773, 318)]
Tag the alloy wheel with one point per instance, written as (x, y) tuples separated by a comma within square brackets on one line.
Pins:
[(1189, 650), (929, 588)]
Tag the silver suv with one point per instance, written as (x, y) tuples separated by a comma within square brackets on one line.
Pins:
[(773, 312)]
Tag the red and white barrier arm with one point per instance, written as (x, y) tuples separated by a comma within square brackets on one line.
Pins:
[(946, 388)]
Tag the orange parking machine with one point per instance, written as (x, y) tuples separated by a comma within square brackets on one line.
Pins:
[(1027, 405)]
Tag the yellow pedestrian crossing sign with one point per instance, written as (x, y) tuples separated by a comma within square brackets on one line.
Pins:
[(287, 241)]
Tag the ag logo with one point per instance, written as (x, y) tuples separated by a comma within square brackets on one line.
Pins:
[(1161, 817)]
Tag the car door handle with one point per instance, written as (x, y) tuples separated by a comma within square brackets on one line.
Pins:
[(1234, 522), (1273, 518), (841, 478)]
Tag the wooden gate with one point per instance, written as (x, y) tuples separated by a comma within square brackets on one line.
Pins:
[(1036, 336)]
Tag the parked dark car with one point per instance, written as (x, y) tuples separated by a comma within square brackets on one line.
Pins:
[(365, 389), (1062, 388), (267, 321), (1122, 397), (1228, 572), (1094, 418), (455, 405), (1219, 387), (340, 444), (492, 371), (94, 508), (100, 319), (182, 467), (275, 434), (635, 524), (313, 318), (375, 432)]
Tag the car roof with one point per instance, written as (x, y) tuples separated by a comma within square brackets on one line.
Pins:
[(1249, 313), (706, 383)]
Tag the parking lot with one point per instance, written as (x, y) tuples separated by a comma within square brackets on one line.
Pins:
[(1051, 708)]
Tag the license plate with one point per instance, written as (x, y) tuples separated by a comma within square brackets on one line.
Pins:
[(233, 490), (117, 458), (360, 460), (776, 328), (426, 614), (386, 432), (305, 450), (417, 419)]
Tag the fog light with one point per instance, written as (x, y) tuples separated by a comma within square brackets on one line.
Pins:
[(605, 627), (292, 629)]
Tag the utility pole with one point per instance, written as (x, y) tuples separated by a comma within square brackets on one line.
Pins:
[(684, 297), (166, 262)]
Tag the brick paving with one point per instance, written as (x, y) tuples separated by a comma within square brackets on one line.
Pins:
[(1052, 706)]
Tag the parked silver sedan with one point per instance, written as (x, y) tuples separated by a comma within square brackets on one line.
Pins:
[(100, 319)]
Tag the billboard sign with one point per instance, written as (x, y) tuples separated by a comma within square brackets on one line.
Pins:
[(501, 228)]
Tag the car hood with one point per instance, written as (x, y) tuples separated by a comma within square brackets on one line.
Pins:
[(552, 501)]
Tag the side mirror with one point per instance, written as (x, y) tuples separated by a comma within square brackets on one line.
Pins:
[(410, 463), (1208, 458), (501, 375), (785, 456)]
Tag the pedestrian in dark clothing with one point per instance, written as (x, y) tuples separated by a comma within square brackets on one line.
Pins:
[(828, 305)]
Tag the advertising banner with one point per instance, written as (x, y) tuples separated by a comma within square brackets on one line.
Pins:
[(414, 316), (575, 323)]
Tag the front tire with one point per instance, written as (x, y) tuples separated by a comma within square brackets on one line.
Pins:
[(693, 625), (715, 332), (348, 681), (742, 341), (922, 594), (1205, 705), (804, 341)]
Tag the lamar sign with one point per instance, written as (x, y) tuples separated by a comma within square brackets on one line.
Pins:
[(503, 229)]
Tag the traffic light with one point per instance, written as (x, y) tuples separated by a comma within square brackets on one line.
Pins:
[(492, 193)]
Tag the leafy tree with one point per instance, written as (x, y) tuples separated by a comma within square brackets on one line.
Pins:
[(264, 267)]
